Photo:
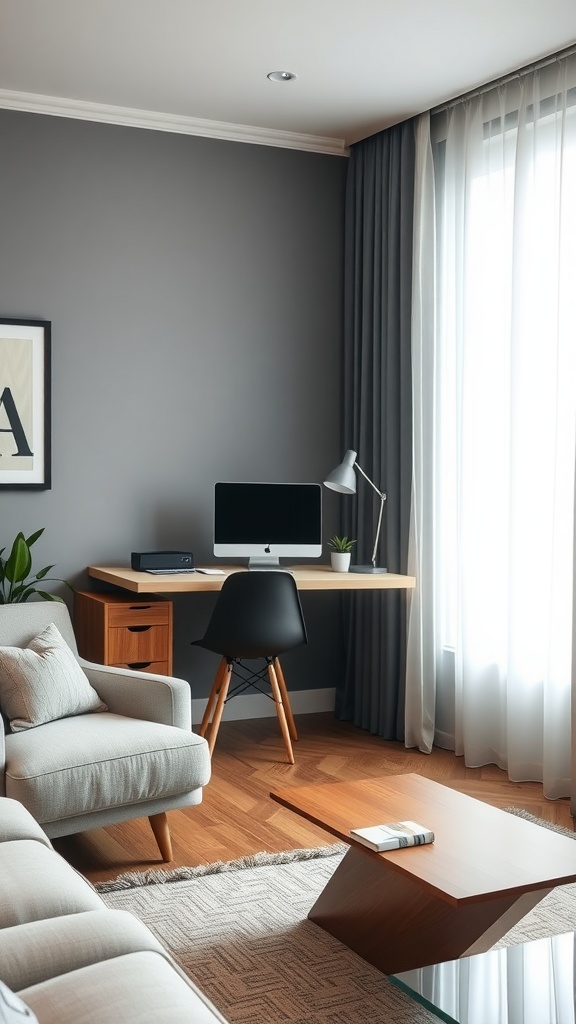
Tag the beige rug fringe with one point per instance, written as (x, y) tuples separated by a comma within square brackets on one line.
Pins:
[(521, 813), (157, 876)]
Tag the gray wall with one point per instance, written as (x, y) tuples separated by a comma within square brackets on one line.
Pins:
[(194, 290)]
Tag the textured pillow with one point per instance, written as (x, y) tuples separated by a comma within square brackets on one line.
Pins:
[(43, 682), (12, 1009)]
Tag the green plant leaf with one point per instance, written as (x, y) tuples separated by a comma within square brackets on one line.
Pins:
[(43, 572), (17, 583), (19, 561), (18, 589), (343, 544), (34, 537)]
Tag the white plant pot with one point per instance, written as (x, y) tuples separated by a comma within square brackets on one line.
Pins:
[(340, 561)]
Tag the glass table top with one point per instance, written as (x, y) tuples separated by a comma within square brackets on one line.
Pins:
[(533, 983)]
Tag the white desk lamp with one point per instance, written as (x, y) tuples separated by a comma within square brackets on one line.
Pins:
[(343, 480)]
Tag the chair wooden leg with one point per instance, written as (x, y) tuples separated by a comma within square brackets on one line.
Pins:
[(209, 727), (285, 699), (276, 693), (212, 699), (206, 718), (227, 675), (159, 824)]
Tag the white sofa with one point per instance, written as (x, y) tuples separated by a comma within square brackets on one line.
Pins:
[(69, 958)]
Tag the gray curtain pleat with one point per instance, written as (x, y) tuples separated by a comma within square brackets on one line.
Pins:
[(377, 418)]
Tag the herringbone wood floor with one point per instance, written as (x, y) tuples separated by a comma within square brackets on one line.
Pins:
[(237, 817)]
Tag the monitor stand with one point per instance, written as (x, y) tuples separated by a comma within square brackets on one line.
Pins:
[(259, 562)]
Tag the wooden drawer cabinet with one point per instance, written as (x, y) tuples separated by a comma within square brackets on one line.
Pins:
[(129, 632)]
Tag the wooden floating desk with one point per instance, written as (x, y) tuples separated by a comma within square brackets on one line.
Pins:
[(307, 577)]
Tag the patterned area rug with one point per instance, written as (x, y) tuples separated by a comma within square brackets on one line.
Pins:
[(240, 931)]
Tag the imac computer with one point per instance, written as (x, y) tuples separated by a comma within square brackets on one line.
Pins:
[(266, 522)]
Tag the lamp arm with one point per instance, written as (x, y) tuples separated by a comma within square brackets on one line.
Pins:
[(366, 477), (382, 497), (382, 500)]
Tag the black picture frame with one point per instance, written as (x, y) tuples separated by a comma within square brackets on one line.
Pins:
[(25, 404)]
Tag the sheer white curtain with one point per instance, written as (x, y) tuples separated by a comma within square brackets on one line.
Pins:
[(494, 364), (531, 983)]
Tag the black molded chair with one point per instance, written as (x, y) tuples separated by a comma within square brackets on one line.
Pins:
[(257, 615)]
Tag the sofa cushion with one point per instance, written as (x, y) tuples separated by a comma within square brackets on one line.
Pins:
[(37, 883), (101, 761), (44, 682), (12, 1009), (139, 988), (34, 952), (16, 822)]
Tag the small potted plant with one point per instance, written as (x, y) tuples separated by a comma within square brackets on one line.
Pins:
[(340, 553), (17, 582)]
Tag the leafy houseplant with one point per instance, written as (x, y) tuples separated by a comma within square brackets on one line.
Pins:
[(16, 580), (341, 548), (342, 544)]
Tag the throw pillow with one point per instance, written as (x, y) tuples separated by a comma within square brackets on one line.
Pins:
[(43, 682), (12, 1009)]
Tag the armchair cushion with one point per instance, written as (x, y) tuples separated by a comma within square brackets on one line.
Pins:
[(44, 682), (101, 761)]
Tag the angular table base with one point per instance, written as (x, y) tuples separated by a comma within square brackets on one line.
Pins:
[(397, 924)]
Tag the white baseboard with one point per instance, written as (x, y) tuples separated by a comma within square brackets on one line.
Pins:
[(257, 705)]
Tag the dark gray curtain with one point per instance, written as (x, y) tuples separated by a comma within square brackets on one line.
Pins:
[(377, 420)]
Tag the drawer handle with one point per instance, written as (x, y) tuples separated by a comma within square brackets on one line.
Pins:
[(140, 607), (138, 629), (138, 665)]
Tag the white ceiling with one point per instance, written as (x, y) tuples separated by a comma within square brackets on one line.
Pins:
[(200, 66)]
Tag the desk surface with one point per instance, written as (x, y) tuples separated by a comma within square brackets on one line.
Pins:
[(308, 577)]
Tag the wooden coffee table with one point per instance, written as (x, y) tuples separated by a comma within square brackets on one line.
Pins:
[(457, 896)]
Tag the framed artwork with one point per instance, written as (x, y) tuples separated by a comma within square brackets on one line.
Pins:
[(25, 404)]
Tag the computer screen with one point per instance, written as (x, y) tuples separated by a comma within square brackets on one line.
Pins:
[(264, 522)]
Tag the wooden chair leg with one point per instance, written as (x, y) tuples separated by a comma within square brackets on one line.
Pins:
[(285, 699), (219, 691), (211, 704), (159, 824), (280, 711)]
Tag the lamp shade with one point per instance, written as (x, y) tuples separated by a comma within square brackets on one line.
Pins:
[(343, 478)]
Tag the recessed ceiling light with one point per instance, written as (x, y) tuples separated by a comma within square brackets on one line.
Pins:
[(281, 76)]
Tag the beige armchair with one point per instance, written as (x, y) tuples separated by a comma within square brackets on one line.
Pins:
[(139, 758)]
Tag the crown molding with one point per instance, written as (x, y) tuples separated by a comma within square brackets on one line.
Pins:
[(133, 118)]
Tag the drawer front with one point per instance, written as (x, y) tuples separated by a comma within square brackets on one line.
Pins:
[(130, 644), (161, 668), (147, 614)]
